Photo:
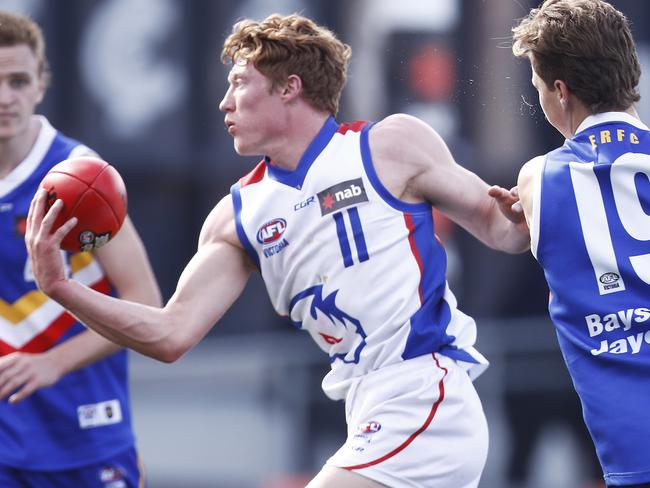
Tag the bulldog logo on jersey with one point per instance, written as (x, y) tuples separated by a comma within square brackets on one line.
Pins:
[(335, 332), (342, 195)]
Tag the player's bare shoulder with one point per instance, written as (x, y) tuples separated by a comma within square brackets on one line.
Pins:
[(530, 172), (388, 137), (219, 226), (404, 147), (527, 183)]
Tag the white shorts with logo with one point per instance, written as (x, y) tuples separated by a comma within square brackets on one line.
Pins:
[(418, 423)]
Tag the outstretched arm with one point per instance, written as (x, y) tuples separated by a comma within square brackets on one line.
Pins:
[(415, 164), (125, 262), (210, 283)]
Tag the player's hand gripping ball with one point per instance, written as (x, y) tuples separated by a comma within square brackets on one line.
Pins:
[(94, 192)]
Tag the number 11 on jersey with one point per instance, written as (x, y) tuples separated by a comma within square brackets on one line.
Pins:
[(357, 234)]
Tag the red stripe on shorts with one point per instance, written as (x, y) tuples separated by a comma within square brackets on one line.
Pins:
[(401, 447)]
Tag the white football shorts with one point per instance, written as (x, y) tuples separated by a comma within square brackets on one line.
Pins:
[(418, 423)]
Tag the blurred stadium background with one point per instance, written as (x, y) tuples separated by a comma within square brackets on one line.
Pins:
[(140, 81)]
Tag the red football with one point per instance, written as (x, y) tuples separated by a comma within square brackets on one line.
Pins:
[(93, 191)]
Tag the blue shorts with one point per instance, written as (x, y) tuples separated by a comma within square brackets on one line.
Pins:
[(123, 470), (644, 485)]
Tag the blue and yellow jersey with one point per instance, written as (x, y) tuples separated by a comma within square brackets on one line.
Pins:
[(85, 416)]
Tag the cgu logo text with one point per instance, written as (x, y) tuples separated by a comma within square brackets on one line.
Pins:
[(271, 231)]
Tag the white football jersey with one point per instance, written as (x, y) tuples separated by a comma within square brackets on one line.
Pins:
[(360, 270)]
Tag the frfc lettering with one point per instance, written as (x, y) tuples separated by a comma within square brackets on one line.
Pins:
[(622, 319)]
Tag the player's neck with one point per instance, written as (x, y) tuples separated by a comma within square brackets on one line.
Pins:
[(575, 117), (13, 150), (632, 111), (578, 116), (301, 131)]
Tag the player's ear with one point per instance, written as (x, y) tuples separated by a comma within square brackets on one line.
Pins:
[(562, 91), (292, 88)]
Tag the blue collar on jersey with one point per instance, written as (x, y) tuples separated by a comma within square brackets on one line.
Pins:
[(296, 177)]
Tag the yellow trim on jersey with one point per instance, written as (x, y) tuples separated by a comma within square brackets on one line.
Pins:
[(32, 300), (23, 307), (79, 261)]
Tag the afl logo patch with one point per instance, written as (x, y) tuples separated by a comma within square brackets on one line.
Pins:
[(271, 231), (609, 278)]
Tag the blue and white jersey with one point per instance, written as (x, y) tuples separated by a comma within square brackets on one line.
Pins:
[(84, 417), (591, 234), (358, 269)]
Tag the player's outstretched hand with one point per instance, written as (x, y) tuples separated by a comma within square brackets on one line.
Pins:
[(43, 243), (21, 374), (509, 204)]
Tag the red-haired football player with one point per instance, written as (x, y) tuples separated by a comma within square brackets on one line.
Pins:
[(337, 219)]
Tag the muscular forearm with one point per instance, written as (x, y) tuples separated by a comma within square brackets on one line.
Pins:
[(485, 221), (89, 347), (143, 328), (504, 234), (512, 239)]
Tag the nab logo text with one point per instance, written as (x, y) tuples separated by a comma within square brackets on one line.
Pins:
[(342, 195), (271, 231)]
